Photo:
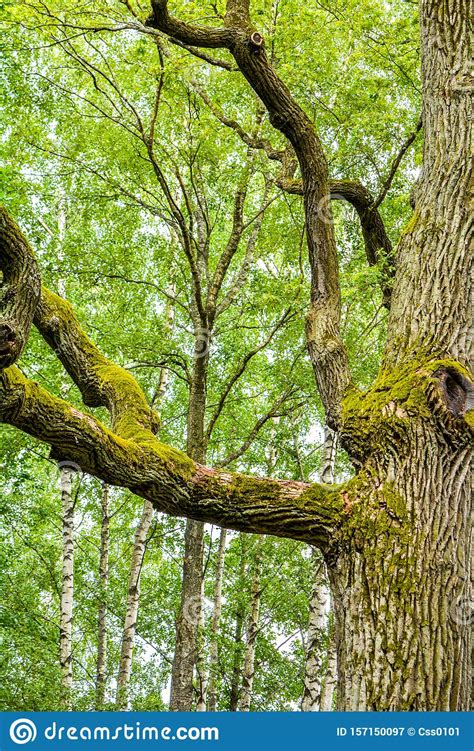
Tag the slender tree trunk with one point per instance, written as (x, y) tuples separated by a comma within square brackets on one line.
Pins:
[(318, 614), (330, 680), (215, 628), (201, 671), (252, 631), (104, 586), (401, 579), (67, 591), (189, 616), (238, 634), (130, 626), (319, 604)]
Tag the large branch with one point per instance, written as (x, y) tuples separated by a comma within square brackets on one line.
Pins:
[(130, 455), (165, 476), (19, 290), (193, 35), (327, 352), (378, 246)]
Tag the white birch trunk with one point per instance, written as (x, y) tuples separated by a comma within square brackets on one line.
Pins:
[(215, 628), (101, 675), (318, 613), (319, 603), (330, 681), (131, 615), (252, 633), (67, 590)]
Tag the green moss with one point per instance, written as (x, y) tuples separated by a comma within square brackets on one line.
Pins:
[(410, 226), (176, 461), (328, 499), (258, 488), (396, 504), (395, 398)]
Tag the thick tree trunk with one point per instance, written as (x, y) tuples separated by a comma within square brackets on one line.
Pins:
[(67, 591), (401, 578), (252, 631), (396, 538), (101, 675), (133, 600)]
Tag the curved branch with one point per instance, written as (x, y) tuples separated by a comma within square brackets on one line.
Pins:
[(193, 35), (168, 478), (130, 455), (326, 349), (100, 381), (19, 290), (377, 242), (378, 246)]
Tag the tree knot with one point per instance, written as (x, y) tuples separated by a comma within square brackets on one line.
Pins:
[(456, 390), (256, 42)]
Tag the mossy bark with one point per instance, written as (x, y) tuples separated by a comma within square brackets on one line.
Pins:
[(401, 570)]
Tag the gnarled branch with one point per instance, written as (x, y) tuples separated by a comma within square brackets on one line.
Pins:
[(327, 352), (168, 478), (19, 290), (130, 455)]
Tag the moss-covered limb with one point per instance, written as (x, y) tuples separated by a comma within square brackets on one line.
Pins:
[(19, 290), (101, 382), (167, 477), (424, 387)]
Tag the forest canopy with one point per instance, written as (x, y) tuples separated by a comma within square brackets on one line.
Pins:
[(236, 317)]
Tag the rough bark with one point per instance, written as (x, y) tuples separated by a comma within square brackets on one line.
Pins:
[(133, 600), (19, 290), (402, 587), (67, 590), (215, 626), (101, 671), (248, 672)]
